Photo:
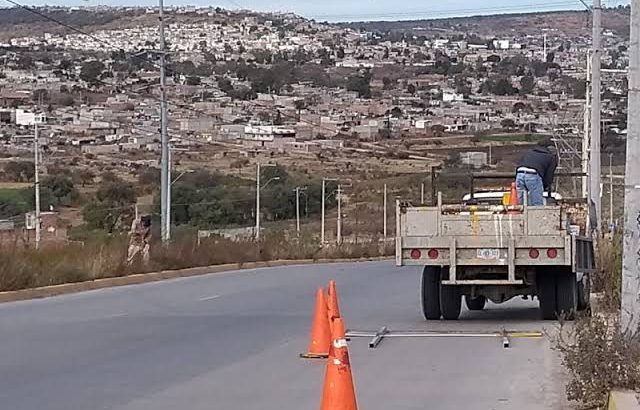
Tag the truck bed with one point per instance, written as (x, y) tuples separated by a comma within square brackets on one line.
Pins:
[(492, 236)]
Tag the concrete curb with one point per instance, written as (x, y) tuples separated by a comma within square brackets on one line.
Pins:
[(623, 400), (136, 279)]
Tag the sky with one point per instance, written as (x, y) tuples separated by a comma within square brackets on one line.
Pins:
[(358, 10)]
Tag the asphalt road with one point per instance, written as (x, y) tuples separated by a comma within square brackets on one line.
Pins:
[(231, 341)]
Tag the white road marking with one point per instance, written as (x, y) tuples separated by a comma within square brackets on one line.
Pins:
[(117, 315), (204, 299)]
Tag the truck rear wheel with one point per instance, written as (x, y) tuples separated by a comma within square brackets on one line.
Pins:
[(584, 293), (476, 303), (546, 285), (430, 292), (566, 295), (450, 301)]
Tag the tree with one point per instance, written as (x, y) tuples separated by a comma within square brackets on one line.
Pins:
[(494, 59), (386, 83), (437, 130), (527, 84), (550, 57), (361, 84), (114, 203), (508, 123), (20, 171), (193, 80), (503, 87), (40, 96), (91, 72), (411, 89), (61, 187), (86, 176), (396, 112)]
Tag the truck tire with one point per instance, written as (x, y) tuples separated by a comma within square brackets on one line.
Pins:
[(476, 303), (566, 295), (546, 286), (450, 300), (430, 292), (584, 293)]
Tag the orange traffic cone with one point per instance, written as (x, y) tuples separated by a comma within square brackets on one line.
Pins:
[(513, 199), (334, 310), (338, 392), (320, 331)]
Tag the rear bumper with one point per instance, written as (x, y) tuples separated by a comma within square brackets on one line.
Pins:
[(467, 251), (473, 251)]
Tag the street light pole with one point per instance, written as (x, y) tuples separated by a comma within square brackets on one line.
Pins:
[(257, 201), (168, 216), (258, 188), (611, 191), (384, 212), (339, 227), (298, 210), (36, 149), (164, 175), (322, 223)]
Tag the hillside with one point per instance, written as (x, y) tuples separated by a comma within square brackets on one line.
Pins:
[(572, 23), (18, 22)]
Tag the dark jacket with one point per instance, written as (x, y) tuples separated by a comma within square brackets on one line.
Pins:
[(542, 160)]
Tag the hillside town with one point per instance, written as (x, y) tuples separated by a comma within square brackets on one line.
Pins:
[(245, 87)]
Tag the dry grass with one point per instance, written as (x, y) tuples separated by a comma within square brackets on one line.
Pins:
[(607, 280), (598, 358), (22, 268)]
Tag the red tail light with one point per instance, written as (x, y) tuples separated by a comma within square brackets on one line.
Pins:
[(552, 253), (416, 254), (534, 253), (433, 253)]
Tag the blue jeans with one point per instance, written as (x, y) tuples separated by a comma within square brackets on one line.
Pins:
[(532, 184)]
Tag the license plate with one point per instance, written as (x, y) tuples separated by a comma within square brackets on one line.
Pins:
[(488, 253)]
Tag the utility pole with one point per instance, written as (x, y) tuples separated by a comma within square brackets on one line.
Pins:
[(169, 185), (164, 138), (611, 191), (630, 309), (298, 210), (586, 139), (384, 212), (544, 47), (257, 201), (258, 188), (324, 193), (339, 227), (322, 223), (595, 171), (36, 162)]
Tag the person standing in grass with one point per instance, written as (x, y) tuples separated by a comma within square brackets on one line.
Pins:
[(139, 238)]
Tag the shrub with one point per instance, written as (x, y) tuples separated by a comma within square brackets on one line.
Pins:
[(598, 358)]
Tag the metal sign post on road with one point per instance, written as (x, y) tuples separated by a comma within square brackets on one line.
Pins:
[(630, 309)]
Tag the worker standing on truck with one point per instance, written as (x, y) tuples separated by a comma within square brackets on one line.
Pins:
[(535, 172)]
